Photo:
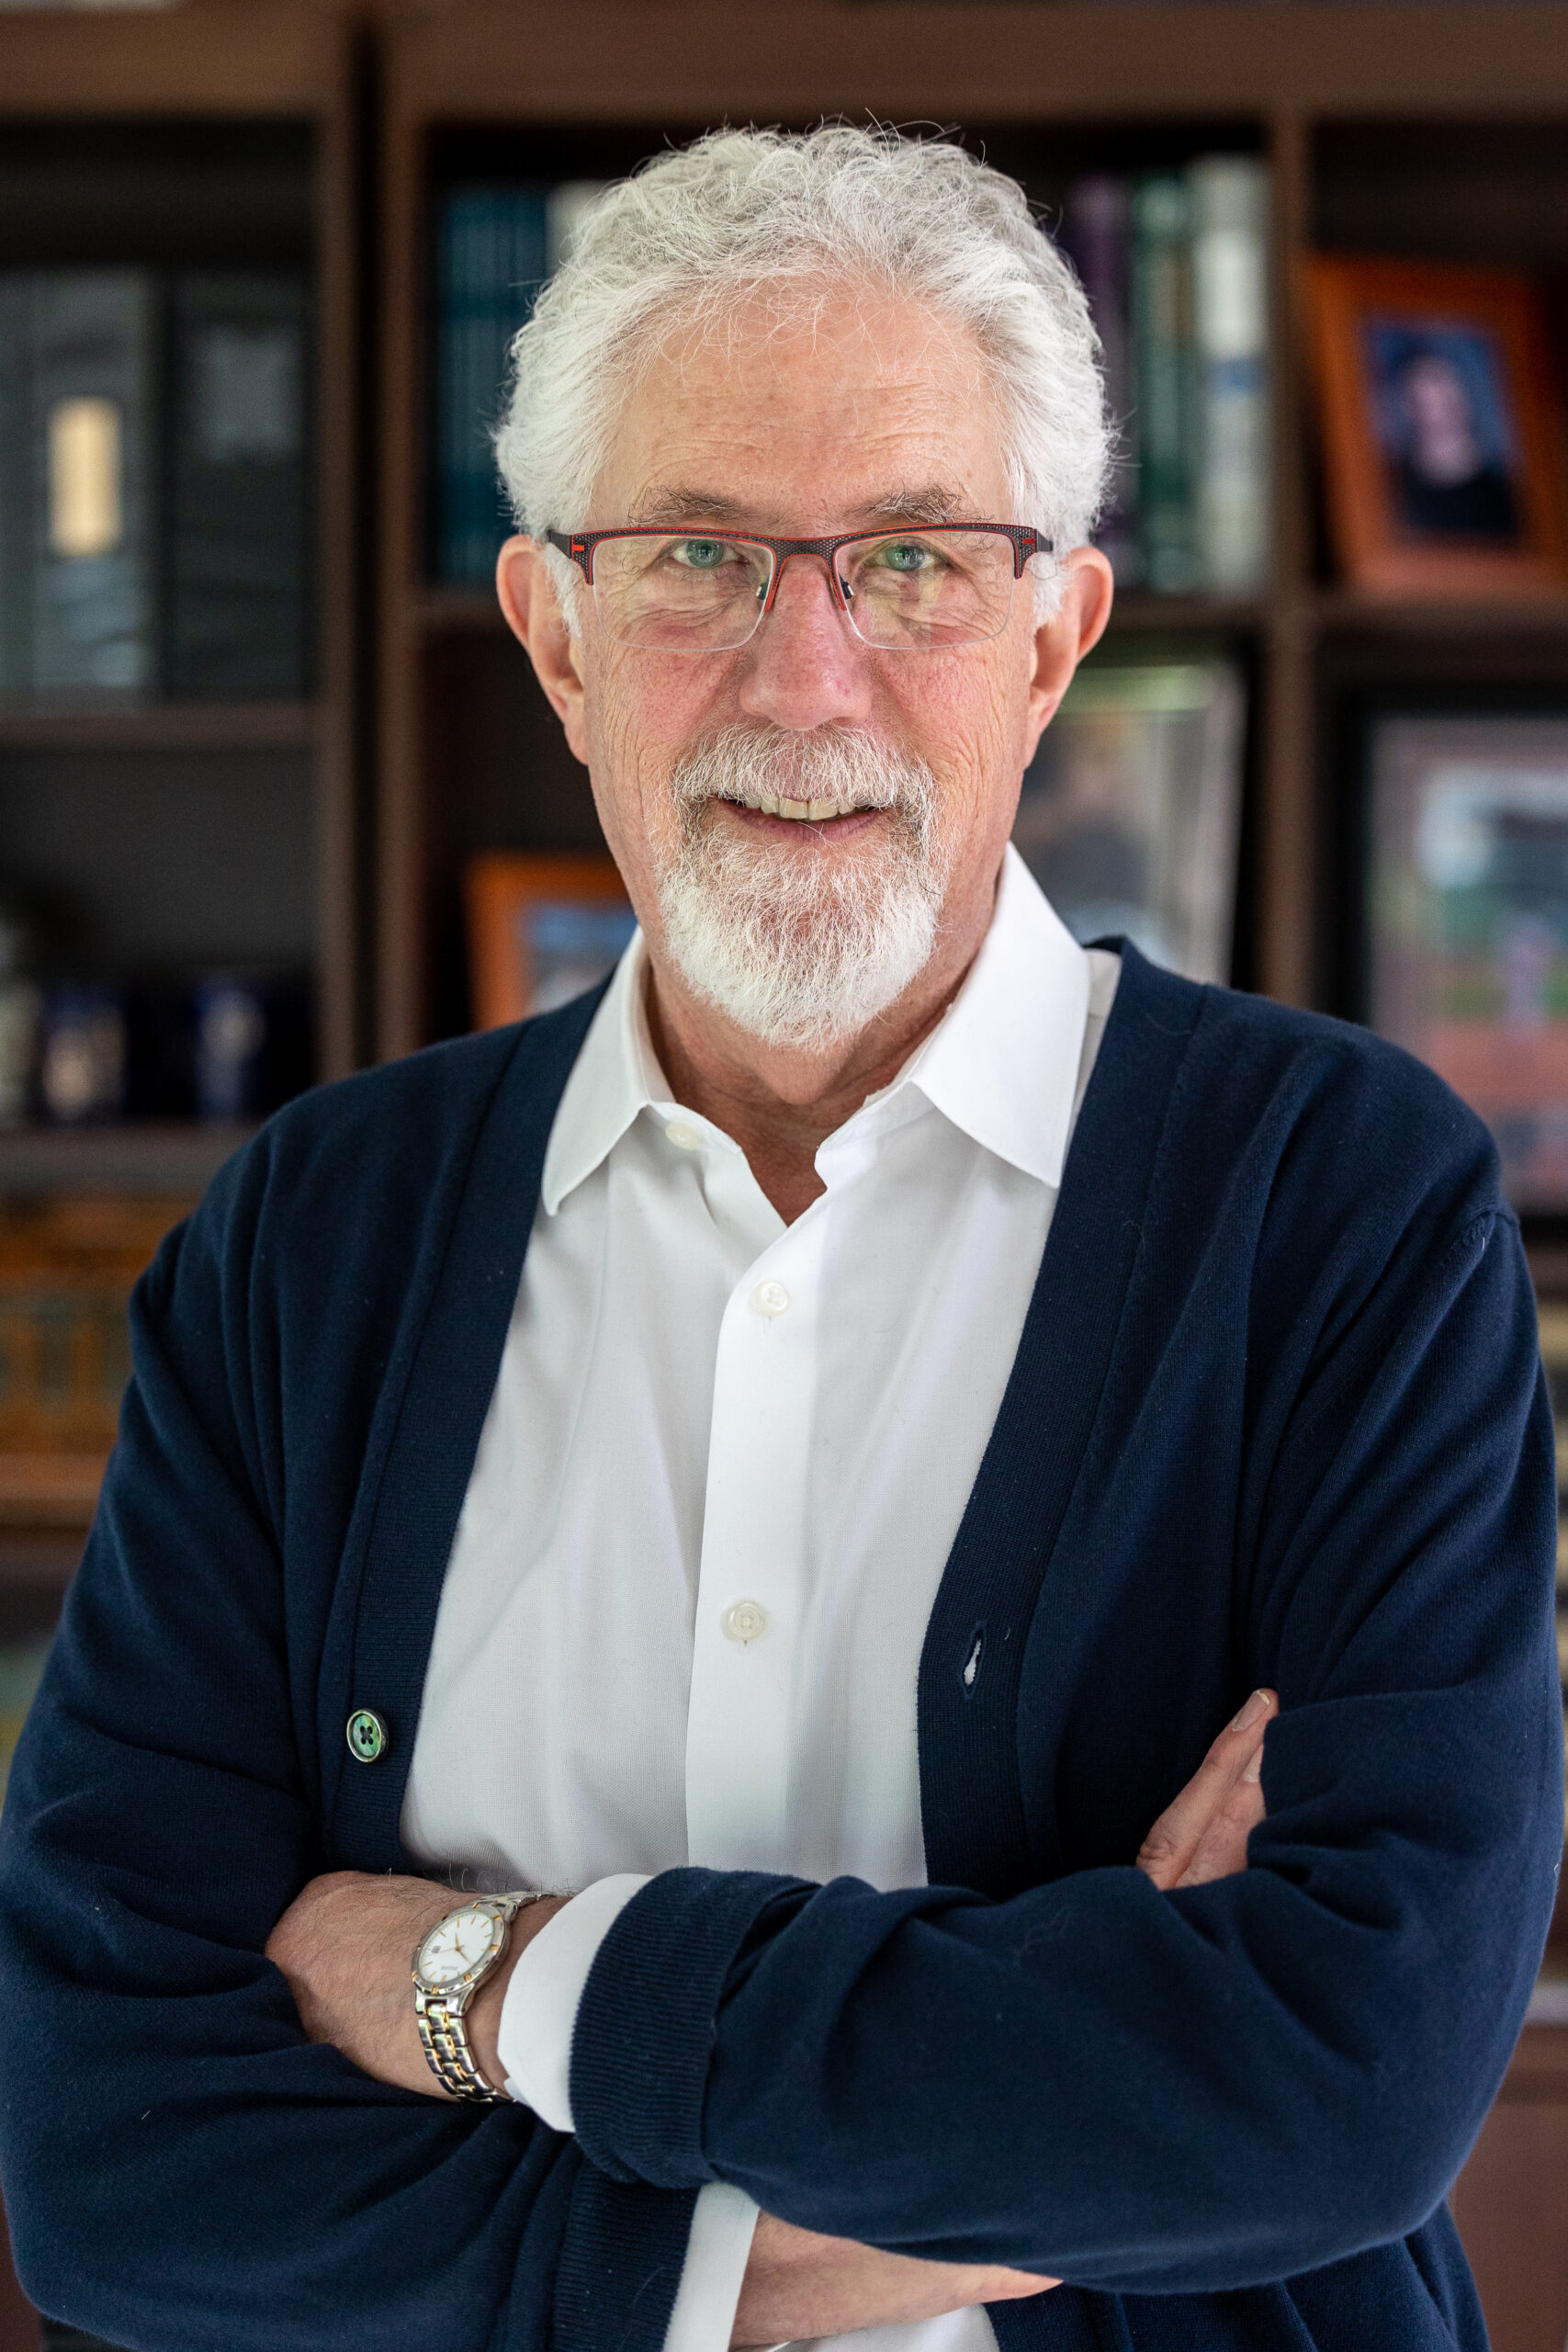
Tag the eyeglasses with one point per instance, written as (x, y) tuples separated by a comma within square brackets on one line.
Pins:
[(708, 592)]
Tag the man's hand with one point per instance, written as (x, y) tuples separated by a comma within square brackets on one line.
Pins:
[(798, 2284), (347, 1945), (1202, 1833), (801, 2286)]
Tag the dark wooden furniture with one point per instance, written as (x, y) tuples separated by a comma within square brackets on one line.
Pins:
[(214, 134), (1428, 130), (1437, 128)]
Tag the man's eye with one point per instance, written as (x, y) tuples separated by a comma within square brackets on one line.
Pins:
[(700, 555), (907, 555)]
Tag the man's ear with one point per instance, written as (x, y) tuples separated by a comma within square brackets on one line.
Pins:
[(1074, 629), (534, 615)]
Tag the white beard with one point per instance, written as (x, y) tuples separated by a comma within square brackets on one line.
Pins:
[(798, 945)]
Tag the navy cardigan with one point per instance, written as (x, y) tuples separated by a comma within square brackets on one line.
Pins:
[(1275, 1417)]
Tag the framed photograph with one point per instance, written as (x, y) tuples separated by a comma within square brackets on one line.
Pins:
[(1468, 921), (541, 930), (1439, 430), (1131, 809)]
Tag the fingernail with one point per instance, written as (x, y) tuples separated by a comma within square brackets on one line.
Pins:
[(1254, 1712), (1253, 1768)]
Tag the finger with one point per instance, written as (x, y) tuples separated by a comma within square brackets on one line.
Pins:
[(1171, 1844), (1222, 1849)]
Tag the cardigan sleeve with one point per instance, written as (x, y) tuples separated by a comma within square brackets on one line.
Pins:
[(180, 2162), (1155, 2093)]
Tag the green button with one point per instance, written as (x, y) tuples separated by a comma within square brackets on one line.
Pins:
[(366, 1735)]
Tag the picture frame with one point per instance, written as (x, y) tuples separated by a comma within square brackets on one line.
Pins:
[(542, 928), (1466, 910), (1130, 813), (1444, 472)]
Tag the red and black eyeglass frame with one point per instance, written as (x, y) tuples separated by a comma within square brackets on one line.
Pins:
[(1024, 538)]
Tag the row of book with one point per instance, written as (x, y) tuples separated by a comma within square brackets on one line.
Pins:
[(1175, 265), (496, 243), (154, 486), (1176, 269)]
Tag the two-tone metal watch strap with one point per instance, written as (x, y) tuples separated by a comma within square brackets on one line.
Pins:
[(442, 2036)]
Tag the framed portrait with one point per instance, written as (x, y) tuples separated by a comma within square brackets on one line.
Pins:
[(1131, 809), (541, 930), (1439, 432), (1467, 905)]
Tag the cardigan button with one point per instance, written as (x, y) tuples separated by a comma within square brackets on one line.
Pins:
[(366, 1735)]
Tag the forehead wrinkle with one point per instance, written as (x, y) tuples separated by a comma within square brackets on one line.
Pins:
[(930, 504)]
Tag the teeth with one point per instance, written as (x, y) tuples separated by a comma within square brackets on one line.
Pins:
[(801, 812)]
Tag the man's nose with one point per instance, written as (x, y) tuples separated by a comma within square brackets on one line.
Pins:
[(806, 666)]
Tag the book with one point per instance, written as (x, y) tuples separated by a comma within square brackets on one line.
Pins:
[(1230, 332), (1166, 384), (1096, 234), (237, 623), (15, 486), (67, 1268), (564, 207), (490, 259), (1467, 922), (91, 434), (1130, 814)]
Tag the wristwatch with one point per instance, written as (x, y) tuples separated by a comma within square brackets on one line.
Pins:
[(451, 1964)]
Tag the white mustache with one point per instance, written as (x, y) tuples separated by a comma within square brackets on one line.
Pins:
[(840, 768)]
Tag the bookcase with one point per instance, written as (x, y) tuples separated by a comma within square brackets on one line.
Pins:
[(1424, 130), (322, 135), (1401, 129), (210, 145)]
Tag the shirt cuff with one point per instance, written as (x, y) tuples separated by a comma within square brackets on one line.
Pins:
[(717, 2255), (534, 2040)]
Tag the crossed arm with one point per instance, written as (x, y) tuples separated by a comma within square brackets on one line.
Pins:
[(344, 1946)]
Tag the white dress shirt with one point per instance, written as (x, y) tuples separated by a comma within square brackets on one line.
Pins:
[(722, 1469)]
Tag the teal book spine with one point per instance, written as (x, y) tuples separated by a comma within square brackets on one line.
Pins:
[(237, 567), (490, 261), (1164, 366), (1230, 285), (92, 433), (15, 488)]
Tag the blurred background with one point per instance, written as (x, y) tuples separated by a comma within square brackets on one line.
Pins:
[(279, 796)]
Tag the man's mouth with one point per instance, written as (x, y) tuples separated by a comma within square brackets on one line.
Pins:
[(799, 812)]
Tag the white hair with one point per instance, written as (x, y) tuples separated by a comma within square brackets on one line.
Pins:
[(697, 230)]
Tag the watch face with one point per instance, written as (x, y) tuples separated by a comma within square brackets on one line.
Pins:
[(455, 1945)]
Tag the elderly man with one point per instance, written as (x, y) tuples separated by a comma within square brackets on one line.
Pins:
[(801, 1453)]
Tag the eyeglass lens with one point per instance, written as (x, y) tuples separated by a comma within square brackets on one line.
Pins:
[(906, 592)]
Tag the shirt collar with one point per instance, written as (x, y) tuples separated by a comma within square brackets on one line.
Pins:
[(614, 1076), (1001, 1064)]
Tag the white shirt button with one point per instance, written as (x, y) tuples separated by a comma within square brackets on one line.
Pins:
[(683, 1136), (743, 1621), (769, 1298)]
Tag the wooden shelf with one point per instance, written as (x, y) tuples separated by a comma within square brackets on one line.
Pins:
[(163, 726), (990, 59), (1135, 608), (1347, 611), (173, 1158), (289, 67)]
